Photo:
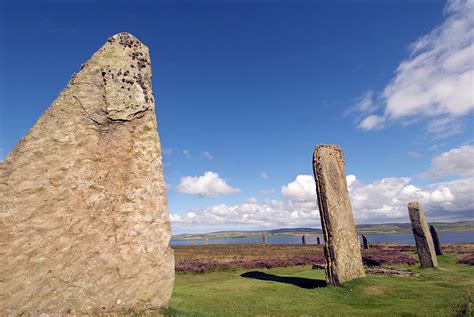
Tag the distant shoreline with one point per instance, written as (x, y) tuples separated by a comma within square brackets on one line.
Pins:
[(392, 228)]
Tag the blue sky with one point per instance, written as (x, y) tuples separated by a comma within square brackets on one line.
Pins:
[(245, 90)]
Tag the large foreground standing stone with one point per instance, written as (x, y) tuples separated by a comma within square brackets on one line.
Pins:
[(84, 222), (341, 246), (424, 242)]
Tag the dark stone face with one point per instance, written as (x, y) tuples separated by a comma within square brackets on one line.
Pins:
[(365, 242), (421, 232), (436, 241)]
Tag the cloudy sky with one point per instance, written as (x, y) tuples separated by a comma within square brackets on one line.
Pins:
[(246, 89)]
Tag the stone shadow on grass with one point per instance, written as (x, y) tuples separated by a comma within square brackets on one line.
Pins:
[(302, 282)]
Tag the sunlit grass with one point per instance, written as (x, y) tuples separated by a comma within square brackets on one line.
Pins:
[(435, 292)]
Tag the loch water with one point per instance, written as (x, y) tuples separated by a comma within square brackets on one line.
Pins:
[(401, 238)]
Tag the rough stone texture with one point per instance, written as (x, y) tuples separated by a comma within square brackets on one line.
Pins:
[(365, 242), (303, 239), (424, 242), (84, 221), (436, 241), (341, 247), (390, 271)]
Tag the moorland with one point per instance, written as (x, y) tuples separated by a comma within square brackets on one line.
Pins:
[(288, 280)]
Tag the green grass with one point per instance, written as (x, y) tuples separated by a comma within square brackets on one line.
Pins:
[(436, 292)]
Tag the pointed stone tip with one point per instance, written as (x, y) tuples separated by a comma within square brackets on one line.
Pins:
[(320, 146), (125, 39), (413, 204)]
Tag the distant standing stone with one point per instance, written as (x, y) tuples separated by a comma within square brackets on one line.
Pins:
[(206, 242), (303, 239), (424, 242), (341, 247), (318, 240), (365, 243), (264, 238), (436, 241)]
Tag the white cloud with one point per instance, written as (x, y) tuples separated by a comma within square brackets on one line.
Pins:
[(167, 151), (264, 175), (207, 155), (303, 188), (381, 201), (266, 214), (372, 122), (351, 181), (266, 191), (415, 155), (458, 161), (444, 127), (207, 185), (187, 154), (365, 103), (436, 79)]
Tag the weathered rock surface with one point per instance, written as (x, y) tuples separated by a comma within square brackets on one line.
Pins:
[(84, 221), (390, 271), (436, 241), (423, 240), (365, 242), (341, 248)]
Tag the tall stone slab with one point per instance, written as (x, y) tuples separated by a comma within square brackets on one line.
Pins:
[(436, 241), (264, 238), (341, 246), (421, 232), (84, 222), (365, 242)]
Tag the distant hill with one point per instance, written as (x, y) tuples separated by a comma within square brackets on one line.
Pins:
[(363, 228), (406, 227)]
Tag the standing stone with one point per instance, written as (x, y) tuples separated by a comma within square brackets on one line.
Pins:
[(206, 242), (424, 242), (84, 224), (303, 239), (318, 241), (264, 238), (365, 242), (341, 247), (436, 241)]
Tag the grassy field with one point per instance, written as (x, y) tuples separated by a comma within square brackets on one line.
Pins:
[(301, 291)]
